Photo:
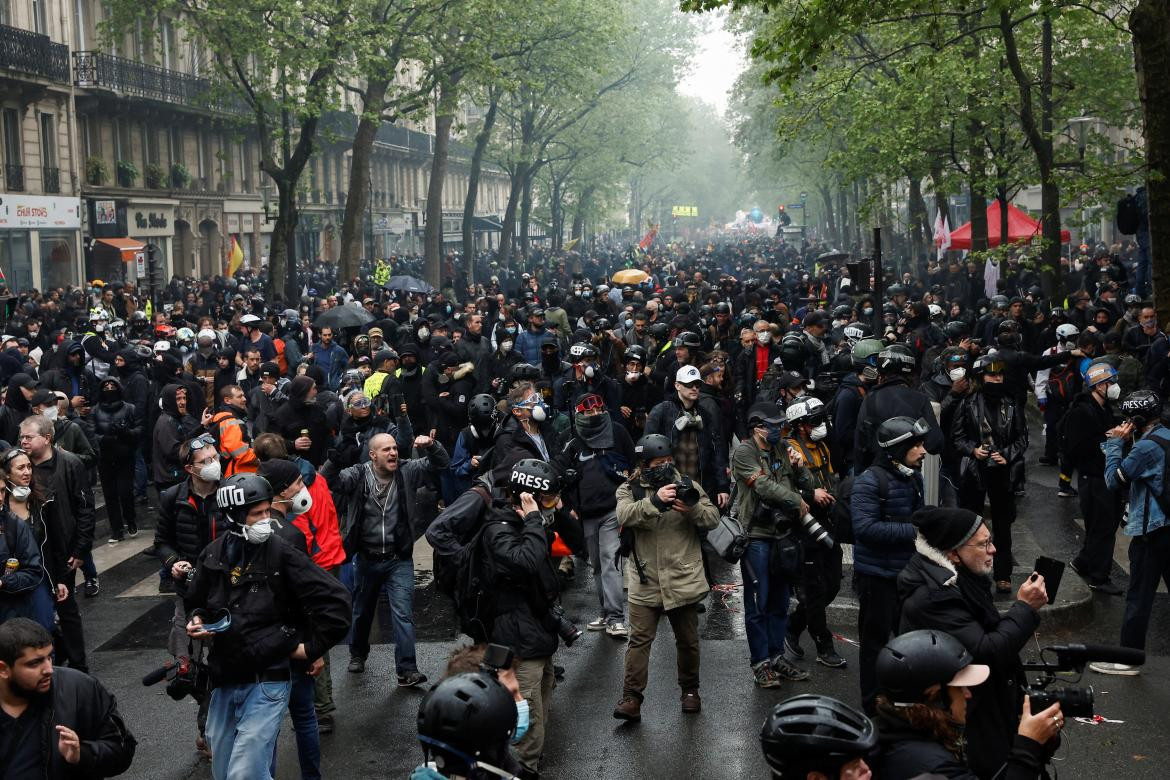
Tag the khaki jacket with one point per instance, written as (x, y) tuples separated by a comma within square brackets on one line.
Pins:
[(768, 475), (666, 544)]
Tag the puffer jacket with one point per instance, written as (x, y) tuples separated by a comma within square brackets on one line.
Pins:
[(769, 476), (183, 530), (525, 579), (883, 534), (117, 424), (83, 704), (935, 594), (666, 545), (18, 542)]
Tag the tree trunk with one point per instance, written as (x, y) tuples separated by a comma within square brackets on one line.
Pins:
[(843, 217), (282, 257), (504, 254), (526, 212), (357, 199), (1150, 24), (830, 222), (481, 141), (433, 230), (919, 251)]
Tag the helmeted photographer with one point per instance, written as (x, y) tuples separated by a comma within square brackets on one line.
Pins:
[(465, 724), (279, 606), (924, 682), (769, 501), (664, 573), (814, 737), (893, 397), (946, 586), (517, 537), (884, 497)]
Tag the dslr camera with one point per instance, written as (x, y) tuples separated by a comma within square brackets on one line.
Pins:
[(685, 490), (565, 629), (185, 677), (1074, 702)]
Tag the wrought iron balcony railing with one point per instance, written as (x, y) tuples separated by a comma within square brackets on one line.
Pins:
[(94, 69), (14, 177), (50, 179), (29, 52)]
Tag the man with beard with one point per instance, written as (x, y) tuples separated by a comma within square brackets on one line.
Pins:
[(204, 363), (410, 376), (946, 586), (229, 425), (596, 460), (55, 723)]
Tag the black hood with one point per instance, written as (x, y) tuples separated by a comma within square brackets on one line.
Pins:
[(112, 380), (167, 399)]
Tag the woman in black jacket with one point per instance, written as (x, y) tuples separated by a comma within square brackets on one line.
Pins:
[(119, 429), (991, 434), (24, 500)]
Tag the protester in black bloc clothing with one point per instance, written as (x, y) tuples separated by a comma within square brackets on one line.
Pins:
[(846, 403), (893, 397), (119, 428)]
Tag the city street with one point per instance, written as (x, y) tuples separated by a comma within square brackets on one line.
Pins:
[(126, 625)]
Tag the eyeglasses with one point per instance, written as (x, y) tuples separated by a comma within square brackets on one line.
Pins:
[(985, 545)]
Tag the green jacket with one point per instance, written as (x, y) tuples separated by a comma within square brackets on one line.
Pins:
[(666, 544), (767, 475)]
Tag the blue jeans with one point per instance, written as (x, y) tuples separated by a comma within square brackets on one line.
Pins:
[(304, 718), (765, 604), (243, 723), (397, 577)]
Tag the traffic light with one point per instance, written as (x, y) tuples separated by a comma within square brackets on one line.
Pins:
[(153, 269), (782, 216)]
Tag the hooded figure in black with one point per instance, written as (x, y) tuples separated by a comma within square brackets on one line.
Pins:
[(171, 429), (410, 375), (118, 426), (16, 408), (301, 420)]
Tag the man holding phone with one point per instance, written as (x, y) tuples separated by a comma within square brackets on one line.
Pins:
[(946, 586)]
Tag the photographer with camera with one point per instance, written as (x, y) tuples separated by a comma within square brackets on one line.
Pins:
[(662, 513), (266, 604), (769, 487), (519, 572), (946, 587), (924, 681)]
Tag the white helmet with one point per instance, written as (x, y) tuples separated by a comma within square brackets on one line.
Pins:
[(935, 310), (803, 408), (162, 346), (206, 337), (99, 314), (1067, 332), (185, 336), (248, 319)]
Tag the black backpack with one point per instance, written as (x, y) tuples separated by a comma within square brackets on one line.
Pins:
[(475, 591), (1129, 215), (459, 523), (841, 514)]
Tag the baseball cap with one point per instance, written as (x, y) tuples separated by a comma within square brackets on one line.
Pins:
[(374, 332), (688, 374), (269, 369)]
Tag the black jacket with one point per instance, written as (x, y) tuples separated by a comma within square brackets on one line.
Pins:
[(997, 422), (183, 530), (525, 580), (908, 754), (84, 705), (712, 453), (65, 479), (513, 444), (280, 600), (118, 425), (170, 430), (892, 398), (1084, 430), (935, 594), (597, 473), (295, 416)]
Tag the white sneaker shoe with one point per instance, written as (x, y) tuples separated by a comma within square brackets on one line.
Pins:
[(1101, 667), (596, 625), (618, 630)]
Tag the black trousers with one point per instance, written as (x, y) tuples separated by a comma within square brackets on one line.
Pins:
[(1149, 563), (1102, 510), (117, 476), (998, 491), (71, 648), (820, 583), (877, 622)]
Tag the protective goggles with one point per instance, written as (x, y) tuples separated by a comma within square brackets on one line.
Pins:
[(548, 500), (360, 403), (12, 453), (590, 403)]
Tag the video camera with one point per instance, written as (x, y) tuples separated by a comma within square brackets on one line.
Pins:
[(1074, 702), (185, 677)]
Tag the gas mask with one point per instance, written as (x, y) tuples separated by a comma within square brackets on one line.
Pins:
[(688, 420), (590, 370), (300, 503)]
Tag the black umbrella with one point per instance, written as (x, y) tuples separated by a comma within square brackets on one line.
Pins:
[(345, 316), (408, 284), (832, 256)]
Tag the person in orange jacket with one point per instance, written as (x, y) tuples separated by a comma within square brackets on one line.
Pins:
[(229, 425)]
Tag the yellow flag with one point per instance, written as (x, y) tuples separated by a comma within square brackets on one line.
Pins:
[(235, 257), (572, 244)]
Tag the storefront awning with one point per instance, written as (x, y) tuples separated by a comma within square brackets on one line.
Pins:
[(486, 225), (128, 248)]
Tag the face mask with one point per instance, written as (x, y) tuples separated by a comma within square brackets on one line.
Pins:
[(505, 347), (19, 492), (110, 396), (259, 532), (1114, 392), (774, 435), (819, 432), (662, 474), (300, 503), (500, 316), (50, 413), (593, 422), (522, 716), (590, 370), (424, 334), (211, 472), (867, 311), (764, 336), (957, 373), (632, 376)]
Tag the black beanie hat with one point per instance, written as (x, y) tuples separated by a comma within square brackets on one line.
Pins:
[(280, 473), (944, 528)]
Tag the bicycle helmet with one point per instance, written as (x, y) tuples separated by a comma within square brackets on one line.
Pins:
[(464, 719), (895, 359), (814, 733), (652, 446), (533, 476), (917, 660), (805, 409), (1067, 332), (637, 353), (688, 339), (523, 372), (898, 434), (1141, 406), (238, 494), (865, 352)]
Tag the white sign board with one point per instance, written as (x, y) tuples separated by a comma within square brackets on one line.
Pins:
[(39, 211)]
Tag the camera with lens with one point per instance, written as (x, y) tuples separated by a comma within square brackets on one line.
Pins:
[(685, 491), (1074, 702), (568, 632), (815, 531), (495, 658), (184, 677)]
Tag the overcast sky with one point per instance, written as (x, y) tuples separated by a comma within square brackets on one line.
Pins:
[(716, 64)]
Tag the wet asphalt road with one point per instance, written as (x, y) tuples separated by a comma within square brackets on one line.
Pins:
[(375, 723)]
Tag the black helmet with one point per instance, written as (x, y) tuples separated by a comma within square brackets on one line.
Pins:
[(723, 307), (813, 733), (1007, 333), (988, 364), (652, 446), (582, 351), (793, 351), (896, 359), (523, 372), (842, 312), (688, 339), (659, 330), (999, 301), (636, 352), (914, 661), (481, 409), (138, 316), (533, 476), (466, 716), (957, 330), (856, 331), (746, 319), (1141, 406), (237, 494), (898, 433)]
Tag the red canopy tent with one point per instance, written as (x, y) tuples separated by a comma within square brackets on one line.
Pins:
[(1021, 227)]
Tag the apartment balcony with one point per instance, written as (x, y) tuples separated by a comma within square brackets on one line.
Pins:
[(35, 54), (50, 179), (96, 70)]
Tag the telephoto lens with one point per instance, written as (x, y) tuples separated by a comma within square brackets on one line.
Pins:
[(816, 531), (568, 632)]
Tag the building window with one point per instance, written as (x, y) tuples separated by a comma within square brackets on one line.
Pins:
[(38, 17), (149, 144), (122, 148), (16, 259), (50, 174), (175, 145), (91, 136), (5, 12), (58, 268), (14, 169)]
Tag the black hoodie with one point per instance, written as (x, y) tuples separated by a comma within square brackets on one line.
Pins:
[(170, 431), (116, 422)]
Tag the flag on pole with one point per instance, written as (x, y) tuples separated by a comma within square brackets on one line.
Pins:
[(942, 234), (235, 257), (570, 246), (648, 239)]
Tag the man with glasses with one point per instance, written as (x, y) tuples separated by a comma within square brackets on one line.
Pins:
[(63, 478), (695, 430), (946, 586), (188, 520)]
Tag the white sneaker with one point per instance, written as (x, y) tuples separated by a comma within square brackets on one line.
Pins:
[(596, 625), (1101, 667), (618, 630)]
